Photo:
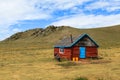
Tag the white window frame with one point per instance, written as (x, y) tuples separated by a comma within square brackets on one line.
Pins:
[(61, 50)]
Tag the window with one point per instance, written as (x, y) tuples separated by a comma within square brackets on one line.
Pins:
[(61, 50)]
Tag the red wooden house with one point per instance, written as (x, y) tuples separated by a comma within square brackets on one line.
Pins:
[(76, 48)]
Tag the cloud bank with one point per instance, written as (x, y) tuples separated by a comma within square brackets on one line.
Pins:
[(89, 21)]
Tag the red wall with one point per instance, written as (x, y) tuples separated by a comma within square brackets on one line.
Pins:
[(91, 52), (69, 53), (75, 52), (66, 54)]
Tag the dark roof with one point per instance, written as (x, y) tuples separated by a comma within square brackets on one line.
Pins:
[(66, 42)]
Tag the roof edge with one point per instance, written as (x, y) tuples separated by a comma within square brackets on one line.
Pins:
[(72, 44)]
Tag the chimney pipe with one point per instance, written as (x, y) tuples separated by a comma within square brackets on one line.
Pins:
[(71, 38)]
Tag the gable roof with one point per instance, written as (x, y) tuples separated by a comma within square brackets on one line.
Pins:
[(66, 42)]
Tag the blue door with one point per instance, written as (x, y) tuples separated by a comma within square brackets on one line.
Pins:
[(82, 52)]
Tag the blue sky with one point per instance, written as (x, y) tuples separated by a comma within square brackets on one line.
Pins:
[(20, 15)]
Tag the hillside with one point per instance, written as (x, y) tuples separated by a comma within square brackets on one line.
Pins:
[(106, 37), (34, 33)]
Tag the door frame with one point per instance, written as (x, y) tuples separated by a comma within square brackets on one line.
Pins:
[(83, 55)]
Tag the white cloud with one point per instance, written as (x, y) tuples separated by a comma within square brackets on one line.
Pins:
[(88, 21), (6, 32), (82, 20), (51, 6), (109, 5), (68, 4), (13, 10), (98, 4), (16, 30)]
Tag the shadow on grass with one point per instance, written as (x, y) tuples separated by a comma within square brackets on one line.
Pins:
[(96, 58), (100, 62), (67, 64)]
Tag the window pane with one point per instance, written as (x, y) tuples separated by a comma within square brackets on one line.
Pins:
[(61, 50)]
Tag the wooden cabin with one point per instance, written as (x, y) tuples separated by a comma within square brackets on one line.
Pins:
[(76, 48)]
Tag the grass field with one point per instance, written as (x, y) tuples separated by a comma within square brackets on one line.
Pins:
[(27, 62)]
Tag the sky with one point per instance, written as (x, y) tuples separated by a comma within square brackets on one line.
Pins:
[(21, 15)]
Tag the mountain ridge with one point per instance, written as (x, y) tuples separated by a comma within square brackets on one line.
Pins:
[(37, 32)]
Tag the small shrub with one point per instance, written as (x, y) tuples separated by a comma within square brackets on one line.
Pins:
[(100, 79), (67, 64), (81, 78)]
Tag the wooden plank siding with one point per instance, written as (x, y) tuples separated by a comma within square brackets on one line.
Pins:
[(75, 51), (66, 54), (91, 52)]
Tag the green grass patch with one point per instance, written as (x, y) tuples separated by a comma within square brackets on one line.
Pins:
[(81, 78), (67, 64)]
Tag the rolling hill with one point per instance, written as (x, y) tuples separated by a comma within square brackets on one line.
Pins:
[(106, 37)]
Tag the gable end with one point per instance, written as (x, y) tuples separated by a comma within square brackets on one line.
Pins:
[(81, 37)]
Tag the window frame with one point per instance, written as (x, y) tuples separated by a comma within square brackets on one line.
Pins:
[(61, 50)]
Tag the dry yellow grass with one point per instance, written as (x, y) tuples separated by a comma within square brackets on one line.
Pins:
[(39, 64)]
